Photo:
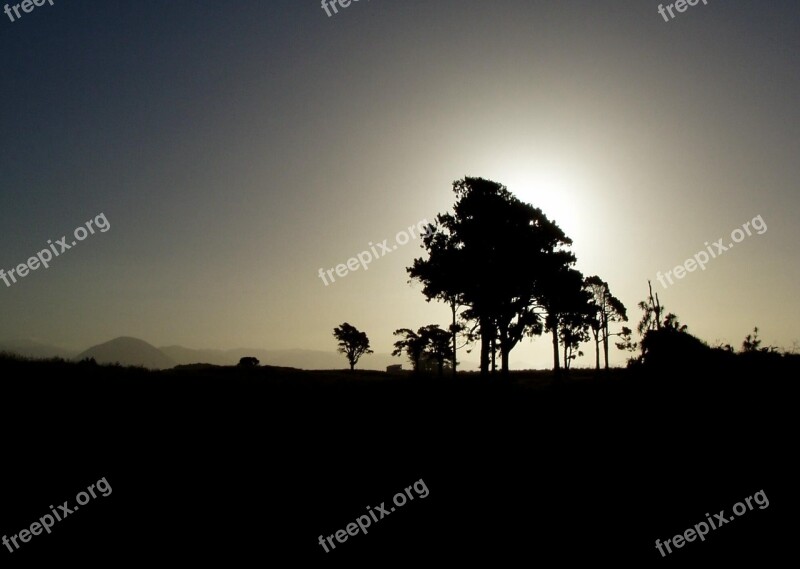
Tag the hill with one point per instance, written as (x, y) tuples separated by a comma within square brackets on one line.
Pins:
[(130, 352)]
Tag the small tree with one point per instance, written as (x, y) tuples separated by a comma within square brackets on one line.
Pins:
[(428, 344), (412, 344), (566, 301), (751, 343), (352, 343), (573, 331), (437, 345), (606, 309), (626, 341), (652, 309)]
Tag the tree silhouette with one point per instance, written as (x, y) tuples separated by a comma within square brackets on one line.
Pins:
[(492, 251), (429, 343), (437, 345), (608, 309), (352, 343), (561, 293), (441, 276), (573, 331), (652, 308), (412, 344), (626, 343)]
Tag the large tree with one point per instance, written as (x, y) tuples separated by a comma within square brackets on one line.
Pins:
[(352, 343), (489, 254)]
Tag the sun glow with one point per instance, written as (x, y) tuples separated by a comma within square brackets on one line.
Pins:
[(555, 190)]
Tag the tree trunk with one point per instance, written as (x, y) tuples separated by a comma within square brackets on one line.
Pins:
[(485, 342), (352, 366), (597, 352), (605, 339), (455, 336), (505, 351), (556, 365)]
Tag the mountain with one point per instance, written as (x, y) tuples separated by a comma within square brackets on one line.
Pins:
[(128, 352), (301, 359), (34, 349)]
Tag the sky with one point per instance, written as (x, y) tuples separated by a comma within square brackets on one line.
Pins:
[(237, 148)]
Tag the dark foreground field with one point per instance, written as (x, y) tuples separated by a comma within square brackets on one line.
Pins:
[(230, 465)]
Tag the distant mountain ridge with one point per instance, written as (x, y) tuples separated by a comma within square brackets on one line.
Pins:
[(129, 352), (136, 352)]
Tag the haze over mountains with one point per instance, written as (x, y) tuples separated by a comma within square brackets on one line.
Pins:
[(128, 352), (137, 352), (34, 349)]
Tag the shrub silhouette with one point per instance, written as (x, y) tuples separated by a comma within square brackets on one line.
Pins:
[(248, 362), (670, 347)]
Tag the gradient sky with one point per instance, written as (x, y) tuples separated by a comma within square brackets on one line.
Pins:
[(236, 148)]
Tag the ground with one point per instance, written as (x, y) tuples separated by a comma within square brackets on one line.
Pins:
[(256, 464)]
